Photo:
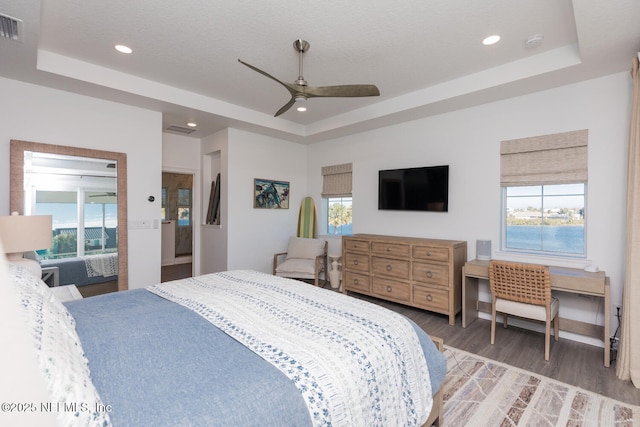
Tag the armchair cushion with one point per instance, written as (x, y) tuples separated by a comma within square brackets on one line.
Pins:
[(297, 267), (304, 248)]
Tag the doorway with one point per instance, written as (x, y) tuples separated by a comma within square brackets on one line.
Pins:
[(177, 226)]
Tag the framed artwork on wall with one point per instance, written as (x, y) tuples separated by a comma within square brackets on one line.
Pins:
[(270, 194)]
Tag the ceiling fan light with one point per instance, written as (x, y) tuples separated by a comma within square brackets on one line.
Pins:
[(301, 109), (299, 98)]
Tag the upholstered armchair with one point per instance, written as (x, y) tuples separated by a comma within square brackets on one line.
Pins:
[(305, 259)]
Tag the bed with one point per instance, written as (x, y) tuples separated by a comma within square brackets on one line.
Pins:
[(231, 348), (85, 270)]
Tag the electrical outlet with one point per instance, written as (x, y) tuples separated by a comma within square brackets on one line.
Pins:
[(616, 309), (615, 342)]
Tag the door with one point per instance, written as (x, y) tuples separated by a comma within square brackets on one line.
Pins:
[(177, 206)]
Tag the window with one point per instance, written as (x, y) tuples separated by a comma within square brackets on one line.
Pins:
[(339, 215), (545, 218), (337, 201), (95, 234), (544, 183)]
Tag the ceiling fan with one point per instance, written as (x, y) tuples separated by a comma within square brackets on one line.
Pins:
[(300, 91)]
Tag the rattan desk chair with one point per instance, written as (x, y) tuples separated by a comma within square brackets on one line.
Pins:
[(523, 290)]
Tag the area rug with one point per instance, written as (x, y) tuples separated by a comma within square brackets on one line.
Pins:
[(483, 392)]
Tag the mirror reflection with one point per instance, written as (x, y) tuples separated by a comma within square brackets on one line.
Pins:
[(85, 191), (80, 194)]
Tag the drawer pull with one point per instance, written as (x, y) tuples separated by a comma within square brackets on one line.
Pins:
[(428, 253), (388, 249), (429, 297), (389, 289), (388, 267), (355, 262), (355, 281), (429, 274)]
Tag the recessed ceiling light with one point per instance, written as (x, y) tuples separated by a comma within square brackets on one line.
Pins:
[(192, 124), (491, 40), (123, 49)]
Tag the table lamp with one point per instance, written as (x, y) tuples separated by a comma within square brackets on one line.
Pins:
[(20, 233)]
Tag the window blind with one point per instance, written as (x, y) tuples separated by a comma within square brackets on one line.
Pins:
[(336, 180), (559, 158)]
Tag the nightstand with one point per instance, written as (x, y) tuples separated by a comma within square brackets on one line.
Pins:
[(51, 273)]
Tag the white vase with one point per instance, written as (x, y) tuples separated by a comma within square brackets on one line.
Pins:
[(334, 274)]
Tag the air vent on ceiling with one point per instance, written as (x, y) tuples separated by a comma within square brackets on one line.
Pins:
[(180, 129), (10, 28)]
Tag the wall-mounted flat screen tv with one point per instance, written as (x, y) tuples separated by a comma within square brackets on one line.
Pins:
[(414, 189)]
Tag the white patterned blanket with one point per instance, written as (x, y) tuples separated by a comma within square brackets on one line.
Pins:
[(355, 363), (101, 265)]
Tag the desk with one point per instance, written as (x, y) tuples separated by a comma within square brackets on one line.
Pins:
[(563, 279)]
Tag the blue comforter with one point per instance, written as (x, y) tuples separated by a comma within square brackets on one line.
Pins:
[(158, 363)]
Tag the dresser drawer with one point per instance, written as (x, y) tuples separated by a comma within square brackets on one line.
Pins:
[(355, 261), (390, 267), (390, 289), (431, 299), (356, 282), (425, 272), (355, 245), (431, 253), (391, 249)]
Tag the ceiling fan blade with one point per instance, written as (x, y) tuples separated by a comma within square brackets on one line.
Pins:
[(286, 85), (286, 106), (342, 91), (301, 91)]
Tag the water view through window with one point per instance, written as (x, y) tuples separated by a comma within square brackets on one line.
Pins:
[(548, 219)]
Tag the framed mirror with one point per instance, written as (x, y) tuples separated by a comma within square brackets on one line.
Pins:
[(102, 194)]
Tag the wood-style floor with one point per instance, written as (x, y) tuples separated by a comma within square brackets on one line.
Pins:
[(571, 362), (175, 272)]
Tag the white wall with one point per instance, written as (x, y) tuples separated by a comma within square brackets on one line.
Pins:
[(35, 113), (247, 237), (469, 141), (256, 234)]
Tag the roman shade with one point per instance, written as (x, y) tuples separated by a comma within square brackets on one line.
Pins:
[(559, 158), (336, 180)]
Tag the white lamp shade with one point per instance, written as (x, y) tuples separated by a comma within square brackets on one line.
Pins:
[(20, 233)]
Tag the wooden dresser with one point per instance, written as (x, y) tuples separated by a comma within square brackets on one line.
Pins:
[(423, 273)]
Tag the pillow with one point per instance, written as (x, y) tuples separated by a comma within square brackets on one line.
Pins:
[(59, 352), (300, 247)]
